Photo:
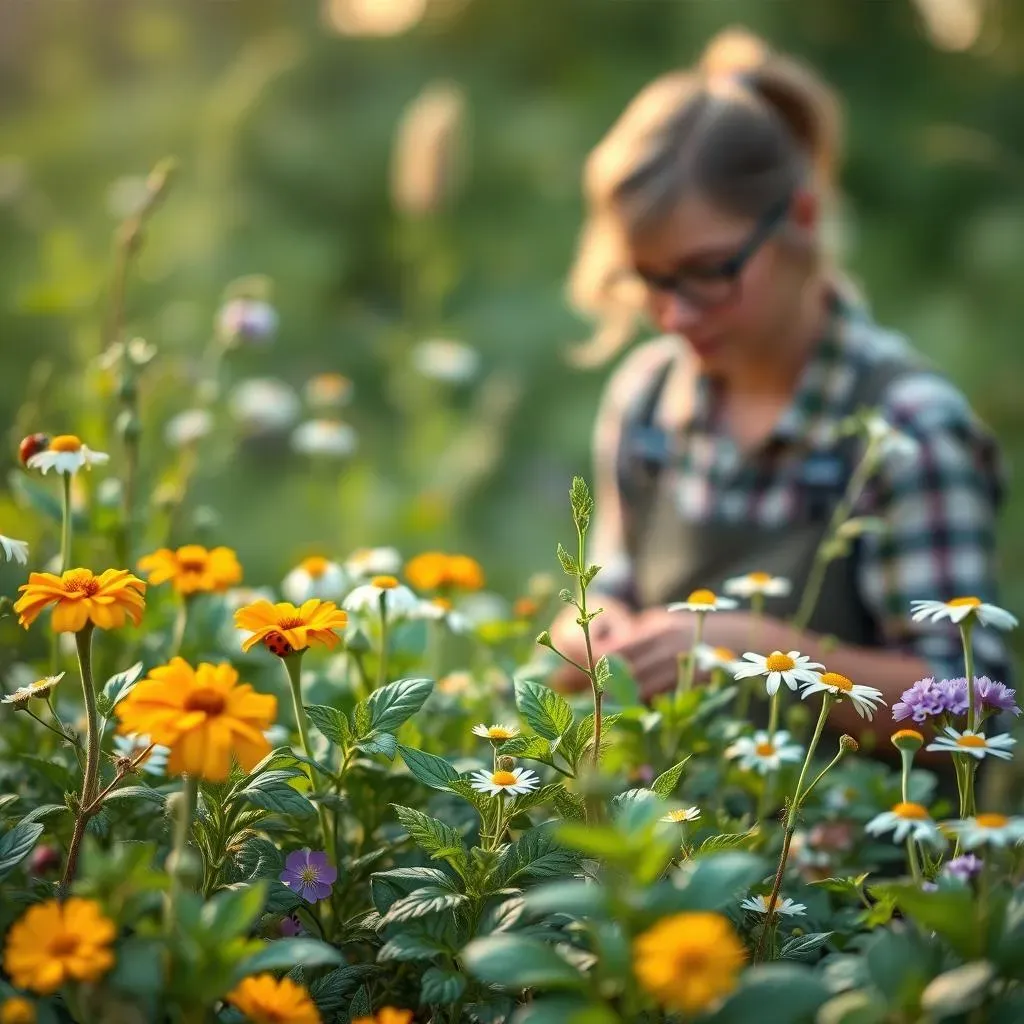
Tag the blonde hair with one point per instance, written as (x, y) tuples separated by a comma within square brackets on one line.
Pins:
[(742, 129)]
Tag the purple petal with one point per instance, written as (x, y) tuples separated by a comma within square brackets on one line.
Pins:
[(308, 892), (321, 890), (318, 861), (297, 860), (328, 873), (290, 878)]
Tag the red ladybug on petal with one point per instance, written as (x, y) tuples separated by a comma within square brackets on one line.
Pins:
[(276, 644), (32, 445)]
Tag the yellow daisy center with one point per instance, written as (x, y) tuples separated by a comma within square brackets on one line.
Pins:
[(992, 820), (210, 702), (701, 597), (499, 732), (443, 603), (976, 742), (724, 654), (315, 565), (504, 779), (911, 811), (765, 749), (759, 577), (62, 944), (309, 874), (193, 564), (779, 662), (82, 582), (838, 681), (66, 443), (908, 734), (384, 582), (293, 623), (964, 602)]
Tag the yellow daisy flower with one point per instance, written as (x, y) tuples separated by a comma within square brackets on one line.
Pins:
[(284, 628), (78, 597), (387, 1015), (56, 942), (435, 570), (265, 1000), (193, 569), (17, 1011)]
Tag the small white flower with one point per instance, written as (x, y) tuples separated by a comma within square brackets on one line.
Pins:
[(864, 698), (763, 752), (315, 576), (14, 550), (325, 437), (328, 391), (66, 454), (495, 733), (188, 427), (498, 783), (437, 609), (244, 319), (906, 819), (374, 562), (681, 815), (263, 405), (277, 735), (139, 352), (37, 690), (399, 601), (760, 583), (959, 608), (786, 907), (447, 361), (792, 669), (977, 744), (703, 601), (710, 658), (893, 445), (986, 830), (155, 762)]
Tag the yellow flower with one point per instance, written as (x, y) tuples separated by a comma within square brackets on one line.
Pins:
[(79, 597), (314, 622), (193, 569), (265, 1000), (689, 961), (434, 570), (56, 942), (388, 1015), (17, 1011), (203, 714)]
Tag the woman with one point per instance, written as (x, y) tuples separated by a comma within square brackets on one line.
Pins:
[(718, 449)]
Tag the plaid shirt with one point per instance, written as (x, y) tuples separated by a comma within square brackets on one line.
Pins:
[(939, 506)]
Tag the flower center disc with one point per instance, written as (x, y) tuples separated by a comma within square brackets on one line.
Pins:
[(315, 565), (779, 662), (292, 623), (838, 681), (915, 812), (765, 749), (63, 944), (964, 602), (701, 597), (210, 702), (503, 779), (309, 874), (724, 654), (66, 443), (977, 742), (498, 733), (81, 583), (992, 820), (384, 582), (759, 577)]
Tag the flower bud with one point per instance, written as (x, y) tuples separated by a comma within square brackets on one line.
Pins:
[(358, 642), (506, 763), (848, 744), (544, 639), (907, 739)]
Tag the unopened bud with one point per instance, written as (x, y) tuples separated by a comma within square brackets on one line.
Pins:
[(848, 743), (129, 426), (544, 639), (907, 739), (506, 763), (172, 805), (358, 642)]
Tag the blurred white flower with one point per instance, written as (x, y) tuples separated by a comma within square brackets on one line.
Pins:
[(373, 17), (438, 609), (188, 427), (399, 601), (785, 907), (247, 320), (892, 444), (374, 562), (139, 351), (447, 361), (110, 492), (132, 746), (325, 437), (66, 454), (14, 550), (264, 405), (328, 390), (315, 576)]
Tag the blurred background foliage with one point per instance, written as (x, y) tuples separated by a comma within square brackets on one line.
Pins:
[(289, 120)]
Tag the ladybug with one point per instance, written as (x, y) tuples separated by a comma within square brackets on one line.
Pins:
[(32, 445), (276, 644)]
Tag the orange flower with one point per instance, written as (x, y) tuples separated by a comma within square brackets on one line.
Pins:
[(17, 1011), (434, 570), (387, 1015), (79, 597), (265, 1000), (193, 569), (203, 714), (314, 622)]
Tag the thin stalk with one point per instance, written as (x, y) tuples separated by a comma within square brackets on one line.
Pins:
[(970, 765), (382, 664), (180, 625), (595, 687), (835, 760), (686, 677), (65, 534), (915, 863), (182, 832)]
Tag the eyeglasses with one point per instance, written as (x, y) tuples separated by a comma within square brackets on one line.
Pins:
[(717, 284)]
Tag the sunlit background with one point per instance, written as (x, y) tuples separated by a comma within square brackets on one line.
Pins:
[(400, 180)]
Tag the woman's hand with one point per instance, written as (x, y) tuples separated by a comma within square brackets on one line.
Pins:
[(612, 627), (652, 649)]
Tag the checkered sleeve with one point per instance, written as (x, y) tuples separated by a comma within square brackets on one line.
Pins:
[(939, 505)]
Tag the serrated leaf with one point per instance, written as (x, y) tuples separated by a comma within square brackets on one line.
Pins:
[(281, 799), (392, 705), (534, 748), (535, 854), (665, 784), (570, 806), (569, 565), (441, 986), (331, 723), (429, 769), (805, 947), (581, 503), (516, 962), (728, 841), (44, 811), (441, 841), (334, 990), (118, 686), (53, 772), (379, 743), (134, 793), (843, 886), (16, 844), (406, 945), (428, 900), (548, 714)]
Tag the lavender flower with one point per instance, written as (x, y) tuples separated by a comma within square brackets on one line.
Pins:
[(927, 699), (309, 874), (963, 868), (993, 695), (291, 926)]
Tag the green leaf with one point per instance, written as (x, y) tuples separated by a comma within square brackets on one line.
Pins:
[(665, 784), (232, 911), (774, 994), (547, 712), (429, 769), (570, 806), (805, 947), (428, 900), (900, 965), (331, 723), (44, 811), (950, 913), (7, 799), (569, 564), (535, 854), (284, 954), (620, 684), (392, 705), (387, 887), (333, 991), (515, 962), (379, 743), (576, 898), (441, 841), (729, 841), (139, 967), (406, 945), (17, 844), (118, 686), (564, 1009), (280, 798), (440, 986), (134, 793), (53, 772), (533, 748), (280, 899), (714, 883), (842, 886), (581, 503)]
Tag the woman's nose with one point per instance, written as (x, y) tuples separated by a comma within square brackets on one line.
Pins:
[(675, 315)]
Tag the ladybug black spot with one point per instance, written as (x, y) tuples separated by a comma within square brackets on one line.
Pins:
[(276, 644)]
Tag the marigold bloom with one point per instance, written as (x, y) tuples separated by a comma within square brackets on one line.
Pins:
[(313, 622), (17, 1011), (193, 569), (79, 597), (56, 942), (203, 714), (689, 961), (434, 570), (265, 1000), (387, 1015)]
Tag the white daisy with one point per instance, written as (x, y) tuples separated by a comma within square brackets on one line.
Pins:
[(498, 783), (792, 669), (763, 752), (786, 907), (864, 698), (39, 689), (703, 601), (277, 736), (761, 583), (188, 427), (906, 819), (959, 608), (399, 601), (710, 658), (330, 438), (328, 390), (374, 562), (439, 609), (264, 405), (681, 815), (315, 576), (496, 733), (155, 762), (14, 550), (66, 454), (986, 830), (447, 361), (977, 744)]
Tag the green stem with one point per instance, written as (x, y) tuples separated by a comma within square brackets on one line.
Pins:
[(773, 713), (83, 640), (65, 535), (180, 625), (915, 863), (686, 677), (596, 689), (835, 760), (382, 664), (63, 735), (966, 628), (293, 667), (798, 795), (182, 833)]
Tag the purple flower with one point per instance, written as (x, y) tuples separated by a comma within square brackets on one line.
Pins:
[(963, 868), (995, 695), (309, 874), (924, 700), (291, 926)]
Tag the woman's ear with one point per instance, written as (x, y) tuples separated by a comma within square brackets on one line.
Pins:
[(805, 209)]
